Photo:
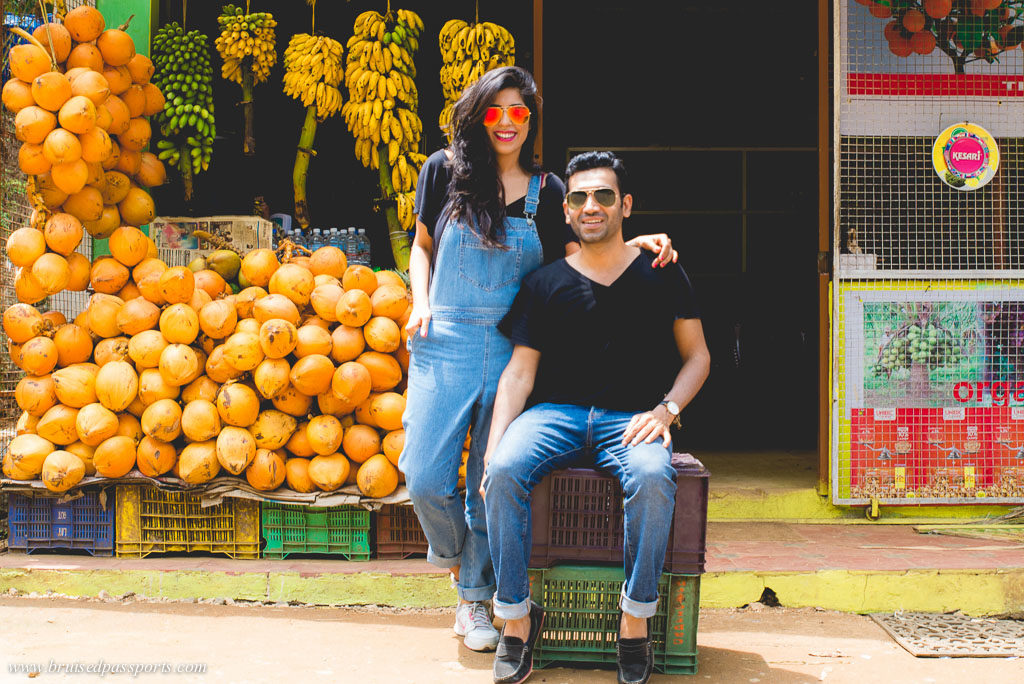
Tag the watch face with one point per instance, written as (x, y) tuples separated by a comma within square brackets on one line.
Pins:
[(672, 407)]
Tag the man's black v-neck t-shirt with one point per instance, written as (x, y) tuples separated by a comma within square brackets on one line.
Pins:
[(611, 346)]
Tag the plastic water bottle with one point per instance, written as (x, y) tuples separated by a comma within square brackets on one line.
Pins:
[(341, 241), (316, 241), (364, 248), (351, 248)]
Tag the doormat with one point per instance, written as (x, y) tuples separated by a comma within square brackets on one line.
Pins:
[(930, 635)]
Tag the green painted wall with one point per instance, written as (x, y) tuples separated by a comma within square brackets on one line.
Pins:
[(146, 12), (141, 29)]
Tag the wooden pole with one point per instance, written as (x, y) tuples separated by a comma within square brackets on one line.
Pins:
[(824, 244), (538, 74)]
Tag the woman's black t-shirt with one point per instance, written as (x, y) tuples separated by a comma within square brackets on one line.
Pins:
[(432, 195)]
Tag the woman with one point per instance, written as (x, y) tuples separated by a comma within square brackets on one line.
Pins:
[(486, 244)]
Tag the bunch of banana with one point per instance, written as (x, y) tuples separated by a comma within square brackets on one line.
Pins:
[(468, 51), (313, 71), (382, 95), (245, 36), (247, 45), (184, 73), (406, 217), (381, 112)]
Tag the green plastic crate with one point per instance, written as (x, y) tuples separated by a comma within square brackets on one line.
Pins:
[(581, 621), (339, 530)]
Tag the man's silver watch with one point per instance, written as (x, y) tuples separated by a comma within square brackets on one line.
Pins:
[(672, 407)]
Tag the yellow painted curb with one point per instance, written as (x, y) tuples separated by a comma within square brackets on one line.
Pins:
[(808, 506), (974, 592)]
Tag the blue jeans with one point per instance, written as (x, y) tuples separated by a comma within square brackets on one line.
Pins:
[(453, 376), (549, 437)]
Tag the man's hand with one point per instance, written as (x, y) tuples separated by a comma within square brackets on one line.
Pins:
[(659, 243), (648, 426)]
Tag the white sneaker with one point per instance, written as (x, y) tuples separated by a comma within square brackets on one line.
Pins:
[(473, 622)]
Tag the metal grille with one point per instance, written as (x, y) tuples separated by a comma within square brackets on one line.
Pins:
[(928, 302), (896, 209), (953, 635), (893, 208)]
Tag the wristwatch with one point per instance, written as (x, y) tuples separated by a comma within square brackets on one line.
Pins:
[(672, 407)]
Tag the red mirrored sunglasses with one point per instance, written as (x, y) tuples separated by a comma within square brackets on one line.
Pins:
[(517, 114)]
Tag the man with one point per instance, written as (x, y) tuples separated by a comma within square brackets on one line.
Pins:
[(598, 337)]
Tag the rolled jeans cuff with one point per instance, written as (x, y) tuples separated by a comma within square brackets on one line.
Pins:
[(635, 608), (510, 611), (475, 593), (442, 562)]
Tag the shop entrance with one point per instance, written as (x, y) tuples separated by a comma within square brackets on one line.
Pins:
[(714, 108)]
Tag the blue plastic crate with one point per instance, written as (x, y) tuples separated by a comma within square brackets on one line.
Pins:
[(42, 523)]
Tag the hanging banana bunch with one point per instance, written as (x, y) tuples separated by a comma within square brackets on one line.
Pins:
[(185, 75), (313, 70), (381, 112), (468, 51), (247, 45)]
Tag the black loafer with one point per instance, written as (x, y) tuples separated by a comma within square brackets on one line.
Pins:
[(635, 659), (513, 659)]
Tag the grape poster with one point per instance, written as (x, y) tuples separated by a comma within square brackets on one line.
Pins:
[(936, 353), (935, 393)]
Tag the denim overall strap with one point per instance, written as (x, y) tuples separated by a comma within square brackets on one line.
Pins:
[(475, 283), (532, 197)]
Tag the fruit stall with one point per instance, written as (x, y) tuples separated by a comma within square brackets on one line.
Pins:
[(927, 391), (220, 383)]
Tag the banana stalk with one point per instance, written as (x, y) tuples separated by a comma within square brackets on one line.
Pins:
[(248, 81), (185, 167), (400, 246), (302, 166)]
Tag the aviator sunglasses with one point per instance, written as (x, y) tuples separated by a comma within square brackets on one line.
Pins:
[(577, 198), (517, 114)]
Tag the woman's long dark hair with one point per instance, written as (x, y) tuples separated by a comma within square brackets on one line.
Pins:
[(475, 194)]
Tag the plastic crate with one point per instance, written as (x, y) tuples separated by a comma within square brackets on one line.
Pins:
[(38, 522), (577, 517), (399, 534), (581, 621), (153, 521), (338, 530)]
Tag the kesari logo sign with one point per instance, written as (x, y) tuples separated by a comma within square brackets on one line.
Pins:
[(965, 156)]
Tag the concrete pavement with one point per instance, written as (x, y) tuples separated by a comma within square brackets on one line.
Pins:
[(265, 643)]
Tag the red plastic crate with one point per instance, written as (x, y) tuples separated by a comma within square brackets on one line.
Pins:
[(399, 534), (577, 517)]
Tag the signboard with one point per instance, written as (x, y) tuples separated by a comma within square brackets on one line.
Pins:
[(955, 65), (930, 393), (965, 156)]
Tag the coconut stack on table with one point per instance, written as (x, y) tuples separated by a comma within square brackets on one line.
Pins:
[(294, 382)]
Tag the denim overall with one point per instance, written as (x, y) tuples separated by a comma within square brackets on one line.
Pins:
[(453, 377)]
